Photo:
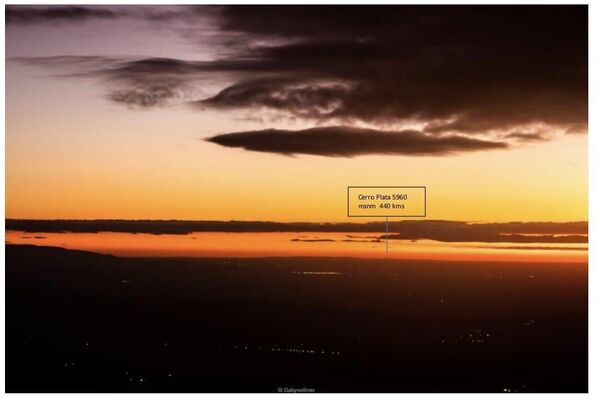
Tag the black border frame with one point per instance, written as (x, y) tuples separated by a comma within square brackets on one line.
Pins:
[(388, 216)]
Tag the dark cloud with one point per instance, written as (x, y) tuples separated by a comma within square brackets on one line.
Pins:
[(562, 248), (342, 141), (38, 14), (527, 137), (475, 235), (35, 14), (577, 129), (460, 69), (149, 95), (559, 228), (148, 82), (445, 231), (513, 232), (309, 99), (333, 240), (312, 240), (488, 71)]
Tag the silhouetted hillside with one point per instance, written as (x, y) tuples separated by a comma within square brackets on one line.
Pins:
[(83, 322)]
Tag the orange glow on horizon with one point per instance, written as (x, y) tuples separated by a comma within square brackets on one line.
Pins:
[(290, 244)]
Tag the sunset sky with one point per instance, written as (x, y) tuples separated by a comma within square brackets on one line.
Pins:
[(221, 113)]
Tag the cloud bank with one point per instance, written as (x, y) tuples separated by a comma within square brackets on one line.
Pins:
[(444, 231), (502, 74), (343, 141), (40, 14)]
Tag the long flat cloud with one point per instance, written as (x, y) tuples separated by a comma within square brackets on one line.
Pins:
[(445, 231), (341, 141), (41, 14)]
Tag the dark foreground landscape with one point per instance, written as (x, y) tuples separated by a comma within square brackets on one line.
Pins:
[(83, 322)]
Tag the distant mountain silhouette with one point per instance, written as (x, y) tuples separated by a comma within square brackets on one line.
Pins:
[(445, 231)]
